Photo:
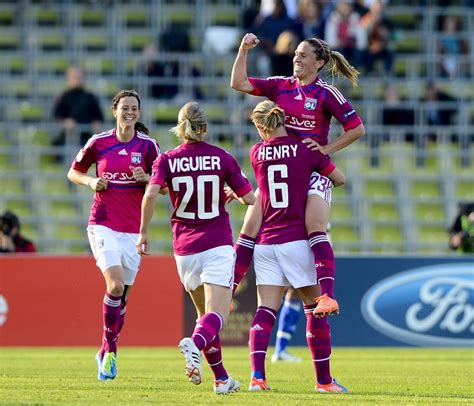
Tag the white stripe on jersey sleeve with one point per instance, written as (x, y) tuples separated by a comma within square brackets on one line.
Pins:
[(148, 138), (339, 97)]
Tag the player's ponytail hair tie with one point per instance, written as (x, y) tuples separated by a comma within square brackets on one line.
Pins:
[(192, 124)]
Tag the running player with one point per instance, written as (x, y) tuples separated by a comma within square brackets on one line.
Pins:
[(195, 173), (123, 157)]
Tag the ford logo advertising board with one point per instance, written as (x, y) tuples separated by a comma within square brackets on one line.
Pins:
[(427, 306)]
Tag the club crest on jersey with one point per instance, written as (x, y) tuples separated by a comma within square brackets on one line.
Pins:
[(310, 104), (136, 157)]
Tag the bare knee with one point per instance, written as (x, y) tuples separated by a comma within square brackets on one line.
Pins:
[(115, 288)]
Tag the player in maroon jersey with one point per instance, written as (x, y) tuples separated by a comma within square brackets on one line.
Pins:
[(123, 157), (196, 173), (283, 168), (309, 104)]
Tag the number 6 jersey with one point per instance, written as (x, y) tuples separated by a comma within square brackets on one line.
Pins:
[(283, 167), (196, 174)]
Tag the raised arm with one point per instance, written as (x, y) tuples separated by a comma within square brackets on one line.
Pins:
[(239, 79)]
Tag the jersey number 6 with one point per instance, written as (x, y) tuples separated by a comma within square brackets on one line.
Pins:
[(282, 187)]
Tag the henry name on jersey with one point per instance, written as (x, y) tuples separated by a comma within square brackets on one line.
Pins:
[(270, 152), (196, 163)]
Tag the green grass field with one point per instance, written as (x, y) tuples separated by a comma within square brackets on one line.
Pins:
[(382, 376)]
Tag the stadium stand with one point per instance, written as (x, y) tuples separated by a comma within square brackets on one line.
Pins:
[(403, 182)]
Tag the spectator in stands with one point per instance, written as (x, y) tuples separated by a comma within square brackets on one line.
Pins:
[(155, 68), (195, 173), (397, 113), (310, 21), (77, 110), (378, 30), (283, 53), (451, 46), (123, 157), (11, 241), (461, 237), (344, 32), (439, 106), (273, 25)]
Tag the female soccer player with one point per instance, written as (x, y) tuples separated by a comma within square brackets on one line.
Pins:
[(195, 174), (283, 167), (309, 103), (123, 157)]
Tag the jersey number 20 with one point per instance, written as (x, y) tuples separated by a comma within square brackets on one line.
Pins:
[(190, 188)]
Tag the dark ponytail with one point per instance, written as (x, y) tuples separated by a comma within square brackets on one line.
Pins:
[(142, 128)]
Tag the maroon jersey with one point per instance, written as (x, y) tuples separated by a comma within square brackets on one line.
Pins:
[(283, 167), (308, 109), (119, 206), (195, 174)]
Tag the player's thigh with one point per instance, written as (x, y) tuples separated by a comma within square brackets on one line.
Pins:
[(267, 268), (316, 214), (297, 263)]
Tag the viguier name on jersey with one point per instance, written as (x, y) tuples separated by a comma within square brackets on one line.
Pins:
[(269, 152), (195, 163)]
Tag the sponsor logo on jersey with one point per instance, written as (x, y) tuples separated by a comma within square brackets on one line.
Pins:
[(118, 176), (299, 124), (298, 97), (429, 306), (136, 158), (123, 152), (310, 104)]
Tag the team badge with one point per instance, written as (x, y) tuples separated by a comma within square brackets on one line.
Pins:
[(310, 104), (136, 158)]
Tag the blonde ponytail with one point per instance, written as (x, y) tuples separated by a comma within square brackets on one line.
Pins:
[(192, 124), (268, 115)]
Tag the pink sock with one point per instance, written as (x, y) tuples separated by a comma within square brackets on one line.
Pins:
[(111, 318), (244, 249), (318, 336), (323, 261), (259, 337), (213, 356), (207, 327)]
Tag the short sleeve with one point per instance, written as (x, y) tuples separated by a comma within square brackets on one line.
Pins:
[(337, 105), (236, 179), (153, 152), (322, 163), (86, 156), (266, 87), (160, 171)]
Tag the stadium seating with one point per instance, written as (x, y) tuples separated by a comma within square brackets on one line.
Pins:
[(401, 193)]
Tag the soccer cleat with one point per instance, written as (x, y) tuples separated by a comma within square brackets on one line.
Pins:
[(109, 365), (192, 355), (100, 376), (228, 386), (326, 306), (258, 385), (332, 387), (285, 356)]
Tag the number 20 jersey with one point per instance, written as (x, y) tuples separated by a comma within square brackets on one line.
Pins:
[(196, 174), (283, 168)]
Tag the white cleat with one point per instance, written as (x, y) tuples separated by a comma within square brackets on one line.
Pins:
[(285, 356), (226, 387), (192, 355)]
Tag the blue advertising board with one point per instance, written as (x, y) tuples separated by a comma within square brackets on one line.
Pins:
[(400, 301)]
